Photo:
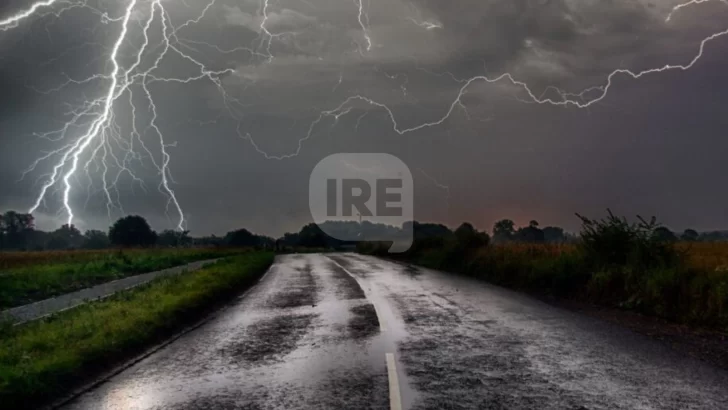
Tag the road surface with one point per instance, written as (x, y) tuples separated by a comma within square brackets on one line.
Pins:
[(346, 331)]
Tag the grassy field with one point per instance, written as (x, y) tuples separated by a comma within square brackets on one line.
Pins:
[(690, 286), (42, 359), (26, 277)]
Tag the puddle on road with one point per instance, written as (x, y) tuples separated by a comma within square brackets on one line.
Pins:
[(301, 291), (293, 299), (366, 388), (453, 358), (363, 322), (347, 288), (270, 339), (411, 270)]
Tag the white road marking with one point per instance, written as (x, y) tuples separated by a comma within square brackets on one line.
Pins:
[(380, 318), (395, 400)]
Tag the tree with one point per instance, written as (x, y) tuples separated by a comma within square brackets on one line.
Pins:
[(530, 234), (211, 240), (503, 230), (554, 234), (170, 238), (266, 241), (241, 238), (311, 236), (36, 240), (464, 230), (713, 236), (94, 239), (690, 235), (132, 230), (663, 234), (426, 230), (289, 239), (56, 242), (15, 229), (469, 237), (65, 237)]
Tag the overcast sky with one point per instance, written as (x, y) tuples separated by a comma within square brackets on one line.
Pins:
[(243, 141)]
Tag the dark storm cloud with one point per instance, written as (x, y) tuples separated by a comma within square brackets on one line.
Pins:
[(500, 158)]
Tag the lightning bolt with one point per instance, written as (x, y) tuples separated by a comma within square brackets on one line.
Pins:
[(582, 100), (426, 24), (429, 25), (690, 3), (102, 133), (94, 142), (72, 152), (361, 17), (12, 21)]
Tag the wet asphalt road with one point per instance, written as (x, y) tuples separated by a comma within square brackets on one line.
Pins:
[(316, 331)]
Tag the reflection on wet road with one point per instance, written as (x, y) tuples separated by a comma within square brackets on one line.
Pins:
[(345, 331)]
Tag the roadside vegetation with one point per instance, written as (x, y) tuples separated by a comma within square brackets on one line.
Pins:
[(613, 262), (43, 359), (36, 265), (27, 277)]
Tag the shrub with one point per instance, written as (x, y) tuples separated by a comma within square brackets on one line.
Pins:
[(132, 230), (614, 242)]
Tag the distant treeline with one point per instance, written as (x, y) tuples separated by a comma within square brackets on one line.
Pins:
[(503, 231), (18, 232)]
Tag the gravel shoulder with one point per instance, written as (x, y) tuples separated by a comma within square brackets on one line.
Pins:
[(706, 345)]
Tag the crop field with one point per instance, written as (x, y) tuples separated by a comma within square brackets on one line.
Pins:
[(26, 277), (709, 256)]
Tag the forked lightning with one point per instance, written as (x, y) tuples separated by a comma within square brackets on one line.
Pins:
[(103, 143)]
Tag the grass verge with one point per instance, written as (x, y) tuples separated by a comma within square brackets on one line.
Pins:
[(43, 359), (21, 285)]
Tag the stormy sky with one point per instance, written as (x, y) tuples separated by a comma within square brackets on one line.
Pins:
[(243, 140)]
